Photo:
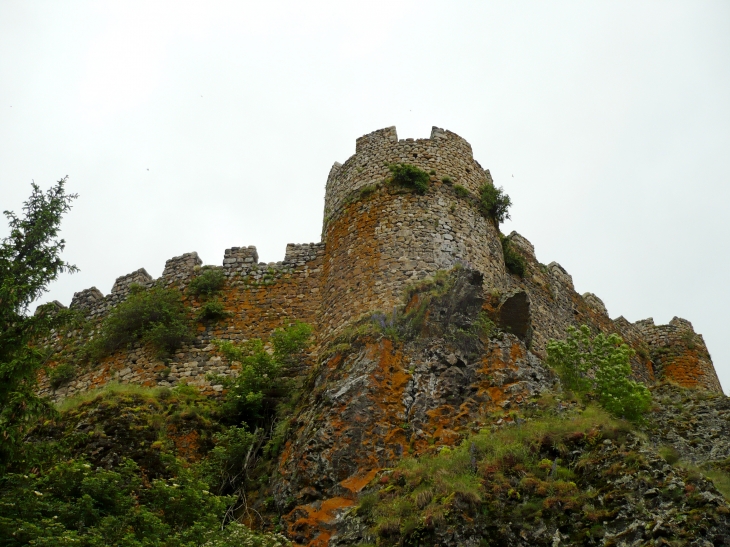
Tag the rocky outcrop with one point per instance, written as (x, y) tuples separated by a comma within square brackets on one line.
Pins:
[(379, 400), (694, 422)]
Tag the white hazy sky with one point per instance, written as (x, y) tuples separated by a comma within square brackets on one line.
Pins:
[(197, 126)]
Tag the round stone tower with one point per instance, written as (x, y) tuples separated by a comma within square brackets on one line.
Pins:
[(380, 237)]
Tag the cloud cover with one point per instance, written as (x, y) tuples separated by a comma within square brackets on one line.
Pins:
[(186, 126)]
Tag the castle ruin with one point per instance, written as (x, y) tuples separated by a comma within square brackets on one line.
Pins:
[(377, 239)]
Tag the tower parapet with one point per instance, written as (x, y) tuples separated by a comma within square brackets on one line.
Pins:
[(445, 153), (181, 268), (379, 237)]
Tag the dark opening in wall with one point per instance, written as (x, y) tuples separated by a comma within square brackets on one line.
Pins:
[(514, 316)]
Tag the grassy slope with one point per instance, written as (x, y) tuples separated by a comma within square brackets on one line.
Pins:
[(550, 471)]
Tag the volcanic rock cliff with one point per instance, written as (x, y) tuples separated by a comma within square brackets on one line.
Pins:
[(424, 338)]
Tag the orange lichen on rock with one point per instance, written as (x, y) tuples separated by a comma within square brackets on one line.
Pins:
[(311, 522), (357, 482), (187, 443)]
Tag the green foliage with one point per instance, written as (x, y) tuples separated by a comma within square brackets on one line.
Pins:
[(367, 191), (409, 176), (29, 261), (599, 364), (154, 316), (670, 454), (208, 282), (513, 260), (289, 342), (460, 191), (66, 495), (255, 391), (113, 389), (449, 180), (73, 503), (61, 374), (212, 310), (237, 535), (227, 462), (494, 203)]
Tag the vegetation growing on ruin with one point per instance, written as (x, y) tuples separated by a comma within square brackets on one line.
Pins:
[(135, 466), (555, 465), (154, 316), (61, 374), (513, 260), (460, 191), (208, 282), (598, 366), (494, 204), (368, 190), (212, 310), (409, 176)]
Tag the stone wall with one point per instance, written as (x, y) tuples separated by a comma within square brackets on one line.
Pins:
[(554, 305), (380, 240), (259, 298), (679, 354), (377, 239)]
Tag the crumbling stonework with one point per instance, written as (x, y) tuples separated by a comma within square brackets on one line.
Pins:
[(377, 239), (679, 354)]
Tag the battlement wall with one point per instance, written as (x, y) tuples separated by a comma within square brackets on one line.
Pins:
[(377, 239), (679, 354), (445, 153), (553, 305), (258, 297)]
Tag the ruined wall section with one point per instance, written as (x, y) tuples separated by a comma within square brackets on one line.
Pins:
[(380, 237), (554, 305), (259, 297), (679, 354)]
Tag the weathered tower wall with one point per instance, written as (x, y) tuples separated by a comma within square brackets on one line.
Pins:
[(380, 237), (679, 354)]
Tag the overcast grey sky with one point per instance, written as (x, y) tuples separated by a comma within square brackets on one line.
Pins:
[(197, 126)]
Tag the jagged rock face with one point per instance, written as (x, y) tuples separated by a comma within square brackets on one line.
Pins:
[(695, 422), (641, 500), (381, 401)]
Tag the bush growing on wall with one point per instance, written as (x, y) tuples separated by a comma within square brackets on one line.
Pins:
[(208, 282), (212, 310), (155, 316), (409, 176), (494, 203), (599, 365), (513, 260), (61, 374)]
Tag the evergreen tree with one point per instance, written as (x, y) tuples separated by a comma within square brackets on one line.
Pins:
[(30, 258)]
